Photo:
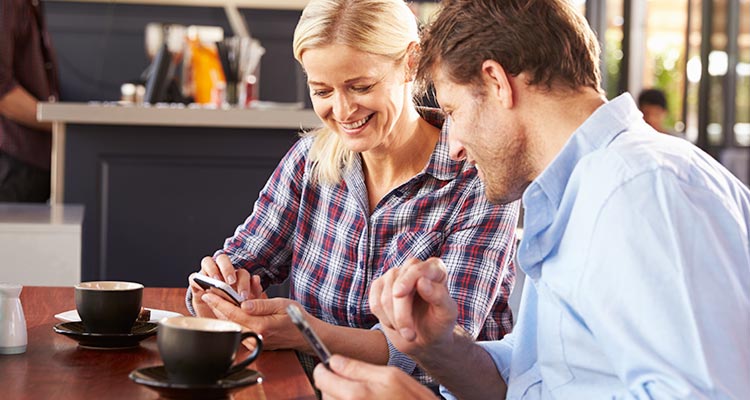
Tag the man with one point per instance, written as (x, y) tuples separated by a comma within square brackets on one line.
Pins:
[(653, 105), (635, 245), (27, 75)]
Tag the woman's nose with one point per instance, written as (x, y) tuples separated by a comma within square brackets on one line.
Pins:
[(342, 107)]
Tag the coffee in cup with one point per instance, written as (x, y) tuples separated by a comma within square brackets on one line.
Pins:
[(108, 307), (201, 350)]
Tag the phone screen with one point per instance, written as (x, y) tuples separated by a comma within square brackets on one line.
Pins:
[(217, 287), (310, 336)]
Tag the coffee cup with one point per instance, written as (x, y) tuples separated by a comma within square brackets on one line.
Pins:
[(200, 351), (108, 307)]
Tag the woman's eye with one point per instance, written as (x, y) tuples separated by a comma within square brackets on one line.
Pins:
[(320, 92), (362, 89)]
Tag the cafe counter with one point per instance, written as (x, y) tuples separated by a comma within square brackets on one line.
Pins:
[(163, 186)]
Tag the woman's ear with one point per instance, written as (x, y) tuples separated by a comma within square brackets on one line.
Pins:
[(412, 61)]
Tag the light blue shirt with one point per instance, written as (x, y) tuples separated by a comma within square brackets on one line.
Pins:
[(638, 271)]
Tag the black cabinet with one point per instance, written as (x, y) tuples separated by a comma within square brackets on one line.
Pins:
[(159, 198)]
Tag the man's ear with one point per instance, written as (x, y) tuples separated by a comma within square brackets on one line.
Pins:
[(497, 82), (412, 61)]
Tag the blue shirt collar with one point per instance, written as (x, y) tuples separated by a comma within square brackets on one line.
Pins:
[(542, 197)]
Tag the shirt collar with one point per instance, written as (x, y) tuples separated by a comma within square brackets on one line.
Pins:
[(600, 129), (542, 198)]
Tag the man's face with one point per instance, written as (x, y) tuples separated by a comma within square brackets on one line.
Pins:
[(488, 136)]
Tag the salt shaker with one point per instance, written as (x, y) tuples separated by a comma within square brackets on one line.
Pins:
[(12, 321)]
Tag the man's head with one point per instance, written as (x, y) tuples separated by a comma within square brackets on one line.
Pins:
[(653, 105), (547, 39), (499, 68)]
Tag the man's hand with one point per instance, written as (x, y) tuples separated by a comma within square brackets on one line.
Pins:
[(352, 379), (414, 306)]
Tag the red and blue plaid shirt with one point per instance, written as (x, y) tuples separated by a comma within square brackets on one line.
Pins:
[(325, 240)]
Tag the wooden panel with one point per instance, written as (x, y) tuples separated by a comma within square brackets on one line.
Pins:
[(159, 198)]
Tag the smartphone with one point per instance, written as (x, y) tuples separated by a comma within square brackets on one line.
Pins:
[(221, 288), (318, 347)]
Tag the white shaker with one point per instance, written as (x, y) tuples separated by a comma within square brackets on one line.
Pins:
[(13, 337)]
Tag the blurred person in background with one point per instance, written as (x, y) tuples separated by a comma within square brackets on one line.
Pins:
[(653, 104), (28, 75)]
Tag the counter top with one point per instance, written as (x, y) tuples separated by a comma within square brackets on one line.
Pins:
[(23, 217), (264, 4), (111, 114)]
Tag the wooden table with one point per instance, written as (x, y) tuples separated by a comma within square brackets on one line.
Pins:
[(54, 367)]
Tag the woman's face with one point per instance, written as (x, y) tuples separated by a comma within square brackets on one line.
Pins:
[(360, 96)]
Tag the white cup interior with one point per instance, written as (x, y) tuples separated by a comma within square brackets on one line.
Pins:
[(108, 285), (201, 324)]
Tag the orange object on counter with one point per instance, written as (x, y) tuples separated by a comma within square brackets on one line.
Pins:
[(205, 70)]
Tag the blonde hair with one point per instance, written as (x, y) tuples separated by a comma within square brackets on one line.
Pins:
[(381, 27)]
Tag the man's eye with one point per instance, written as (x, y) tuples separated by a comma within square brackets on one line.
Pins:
[(320, 92)]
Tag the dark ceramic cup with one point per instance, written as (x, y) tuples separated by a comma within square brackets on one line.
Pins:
[(108, 307), (200, 351)]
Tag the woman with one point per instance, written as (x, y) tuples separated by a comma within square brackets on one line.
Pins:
[(370, 190)]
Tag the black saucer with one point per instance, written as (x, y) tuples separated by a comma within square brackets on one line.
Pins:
[(111, 341), (156, 379)]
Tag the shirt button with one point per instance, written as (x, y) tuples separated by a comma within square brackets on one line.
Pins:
[(352, 310)]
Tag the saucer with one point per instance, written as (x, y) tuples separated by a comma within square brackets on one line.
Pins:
[(77, 332), (156, 315), (156, 379)]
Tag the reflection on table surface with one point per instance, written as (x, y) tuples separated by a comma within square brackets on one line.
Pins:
[(55, 367)]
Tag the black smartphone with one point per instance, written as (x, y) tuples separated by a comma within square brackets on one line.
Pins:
[(221, 288), (312, 338)]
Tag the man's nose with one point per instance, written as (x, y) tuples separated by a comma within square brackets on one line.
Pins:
[(457, 151)]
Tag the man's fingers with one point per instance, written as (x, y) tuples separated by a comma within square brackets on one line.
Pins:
[(356, 370), (434, 293), (331, 385), (347, 378), (433, 269)]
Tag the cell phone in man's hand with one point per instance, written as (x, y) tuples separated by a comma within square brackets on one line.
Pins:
[(317, 345), (218, 287)]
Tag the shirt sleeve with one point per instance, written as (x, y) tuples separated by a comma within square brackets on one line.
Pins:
[(7, 45), (261, 244), (666, 289)]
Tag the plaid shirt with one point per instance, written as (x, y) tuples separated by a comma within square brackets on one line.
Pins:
[(325, 240)]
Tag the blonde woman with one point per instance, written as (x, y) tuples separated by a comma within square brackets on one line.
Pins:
[(371, 190)]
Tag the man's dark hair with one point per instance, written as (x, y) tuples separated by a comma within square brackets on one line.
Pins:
[(548, 39), (654, 97)]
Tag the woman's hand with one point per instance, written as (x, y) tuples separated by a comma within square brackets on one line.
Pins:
[(267, 317), (247, 286)]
